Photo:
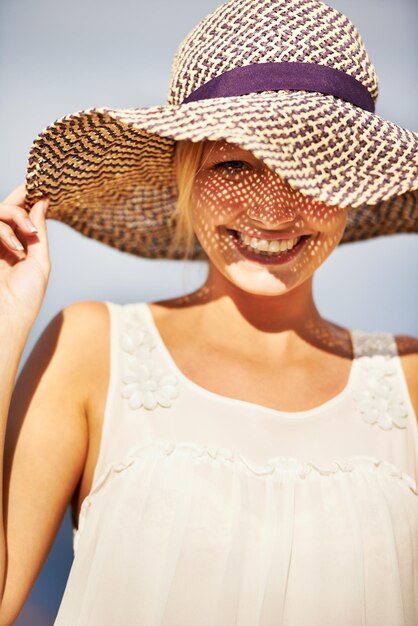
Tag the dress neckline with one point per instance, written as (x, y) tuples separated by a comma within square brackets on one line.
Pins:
[(291, 415)]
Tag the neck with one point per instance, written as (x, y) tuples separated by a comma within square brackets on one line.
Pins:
[(233, 316)]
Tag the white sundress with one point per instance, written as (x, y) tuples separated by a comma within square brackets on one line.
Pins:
[(211, 511)]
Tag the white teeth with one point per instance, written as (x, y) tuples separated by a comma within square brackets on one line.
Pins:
[(262, 245)]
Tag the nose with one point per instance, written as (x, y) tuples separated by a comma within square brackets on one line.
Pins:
[(274, 202)]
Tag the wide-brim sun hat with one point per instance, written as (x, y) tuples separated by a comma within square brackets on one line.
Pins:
[(288, 80)]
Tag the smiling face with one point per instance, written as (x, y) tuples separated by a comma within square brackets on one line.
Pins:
[(245, 217)]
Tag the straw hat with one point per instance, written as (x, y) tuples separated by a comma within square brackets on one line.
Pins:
[(288, 80)]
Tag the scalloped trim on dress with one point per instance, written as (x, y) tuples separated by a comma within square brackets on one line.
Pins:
[(295, 466)]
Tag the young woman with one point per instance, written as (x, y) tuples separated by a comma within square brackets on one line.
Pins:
[(231, 456)]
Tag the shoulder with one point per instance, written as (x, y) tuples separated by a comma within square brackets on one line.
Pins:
[(85, 326), (76, 327), (87, 318), (57, 375), (84, 312), (75, 343), (408, 353), (69, 329)]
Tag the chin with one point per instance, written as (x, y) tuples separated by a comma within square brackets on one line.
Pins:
[(258, 281)]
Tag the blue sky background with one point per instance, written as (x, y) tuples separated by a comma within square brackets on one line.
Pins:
[(57, 57)]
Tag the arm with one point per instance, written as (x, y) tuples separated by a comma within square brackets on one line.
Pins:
[(46, 448), (408, 352)]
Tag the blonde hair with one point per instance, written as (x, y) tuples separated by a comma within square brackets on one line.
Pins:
[(187, 160)]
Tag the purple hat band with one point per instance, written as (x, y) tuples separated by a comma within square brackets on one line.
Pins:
[(285, 75)]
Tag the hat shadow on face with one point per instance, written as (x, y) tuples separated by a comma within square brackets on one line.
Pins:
[(240, 209)]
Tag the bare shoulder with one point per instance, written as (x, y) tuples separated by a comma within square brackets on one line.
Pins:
[(70, 334), (408, 352), (76, 320), (76, 339), (84, 316), (87, 329), (84, 323), (80, 325)]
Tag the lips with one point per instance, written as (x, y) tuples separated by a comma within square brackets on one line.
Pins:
[(266, 259), (269, 235)]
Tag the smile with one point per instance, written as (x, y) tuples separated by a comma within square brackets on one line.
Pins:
[(262, 245), (276, 251)]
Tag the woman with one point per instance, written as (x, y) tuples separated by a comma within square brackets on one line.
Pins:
[(231, 456)]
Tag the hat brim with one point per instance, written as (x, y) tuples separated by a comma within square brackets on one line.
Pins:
[(109, 172)]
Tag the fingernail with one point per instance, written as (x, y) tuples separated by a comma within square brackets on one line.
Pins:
[(30, 225), (16, 243)]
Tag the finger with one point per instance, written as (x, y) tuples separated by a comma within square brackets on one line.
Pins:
[(17, 196), (37, 245), (9, 239), (16, 217)]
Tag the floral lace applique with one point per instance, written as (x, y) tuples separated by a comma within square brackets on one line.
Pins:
[(146, 383), (377, 402)]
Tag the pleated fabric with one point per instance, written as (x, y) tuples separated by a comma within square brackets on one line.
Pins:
[(210, 511)]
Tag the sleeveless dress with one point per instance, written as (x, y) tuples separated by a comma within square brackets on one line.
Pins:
[(211, 511)]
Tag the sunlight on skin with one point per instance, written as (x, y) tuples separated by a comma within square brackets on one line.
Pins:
[(247, 196)]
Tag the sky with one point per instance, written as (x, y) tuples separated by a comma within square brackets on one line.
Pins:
[(59, 57)]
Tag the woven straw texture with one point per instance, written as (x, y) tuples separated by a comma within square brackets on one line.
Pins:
[(109, 173)]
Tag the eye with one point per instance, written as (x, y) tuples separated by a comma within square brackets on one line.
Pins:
[(231, 166)]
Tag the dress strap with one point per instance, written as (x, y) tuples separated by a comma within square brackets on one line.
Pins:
[(377, 343), (111, 414), (382, 396)]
